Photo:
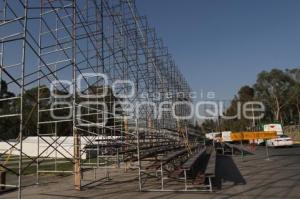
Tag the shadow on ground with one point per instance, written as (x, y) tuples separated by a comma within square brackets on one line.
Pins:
[(227, 171)]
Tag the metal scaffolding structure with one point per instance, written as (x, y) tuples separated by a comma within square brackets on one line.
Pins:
[(94, 71)]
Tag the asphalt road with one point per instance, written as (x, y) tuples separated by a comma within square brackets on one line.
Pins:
[(252, 176)]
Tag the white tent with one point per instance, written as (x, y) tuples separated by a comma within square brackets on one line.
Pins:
[(63, 145)]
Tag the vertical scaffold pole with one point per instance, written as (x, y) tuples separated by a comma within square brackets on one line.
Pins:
[(21, 99), (77, 168), (138, 153)]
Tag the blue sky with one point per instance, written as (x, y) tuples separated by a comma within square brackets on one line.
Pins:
[(221, 45)]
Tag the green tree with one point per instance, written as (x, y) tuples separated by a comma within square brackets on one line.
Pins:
[(238, 122), (9, 127), (295, 98), (209, 125), (274, 88)]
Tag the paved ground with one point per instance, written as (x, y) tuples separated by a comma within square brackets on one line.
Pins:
[(250, 177)]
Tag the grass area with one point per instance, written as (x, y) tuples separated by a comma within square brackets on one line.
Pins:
[(30, 167), (67, 166), (46, 165)]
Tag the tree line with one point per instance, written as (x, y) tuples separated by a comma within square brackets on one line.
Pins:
[(278, 90), (10, 125)]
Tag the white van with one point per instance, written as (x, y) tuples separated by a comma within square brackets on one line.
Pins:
[(274, 127)]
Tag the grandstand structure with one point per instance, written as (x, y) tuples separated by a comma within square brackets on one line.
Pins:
[(92, 70)]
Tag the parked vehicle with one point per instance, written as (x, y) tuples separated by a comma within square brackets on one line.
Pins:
[(281, 140), (223, 136), (226, 136), (270, 127), (274, 127)]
